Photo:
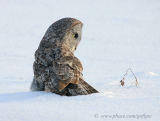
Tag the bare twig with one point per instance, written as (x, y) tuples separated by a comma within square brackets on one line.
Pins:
[(122, 81)]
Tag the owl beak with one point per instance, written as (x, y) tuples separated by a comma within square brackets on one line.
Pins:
[(76, 47)]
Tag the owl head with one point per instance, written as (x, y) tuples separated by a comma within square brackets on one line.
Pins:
[(65, 32)]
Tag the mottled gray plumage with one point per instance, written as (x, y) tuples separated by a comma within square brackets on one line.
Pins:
[(56, 69)]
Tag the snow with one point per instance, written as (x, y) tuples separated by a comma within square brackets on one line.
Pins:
[(117, 35)]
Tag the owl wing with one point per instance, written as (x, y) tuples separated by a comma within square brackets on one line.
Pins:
[(83, 88), (68, 70), (71, 82)]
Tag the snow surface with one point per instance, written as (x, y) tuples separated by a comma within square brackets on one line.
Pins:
[(117, 34)]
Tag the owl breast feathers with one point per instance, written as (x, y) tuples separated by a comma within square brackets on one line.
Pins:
[(56, 69)]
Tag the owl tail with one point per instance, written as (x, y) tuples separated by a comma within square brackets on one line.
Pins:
[(83, 88)]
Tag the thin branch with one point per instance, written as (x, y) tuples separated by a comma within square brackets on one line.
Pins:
[(122, 81)]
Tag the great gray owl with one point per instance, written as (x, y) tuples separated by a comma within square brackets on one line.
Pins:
[(56, 69)]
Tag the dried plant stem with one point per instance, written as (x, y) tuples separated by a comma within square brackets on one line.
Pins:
[(122, 81)]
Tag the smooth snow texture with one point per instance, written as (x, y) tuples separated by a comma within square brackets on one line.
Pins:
[(117, 34)]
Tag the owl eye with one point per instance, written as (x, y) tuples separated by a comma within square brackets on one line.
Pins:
[(76, 35)]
